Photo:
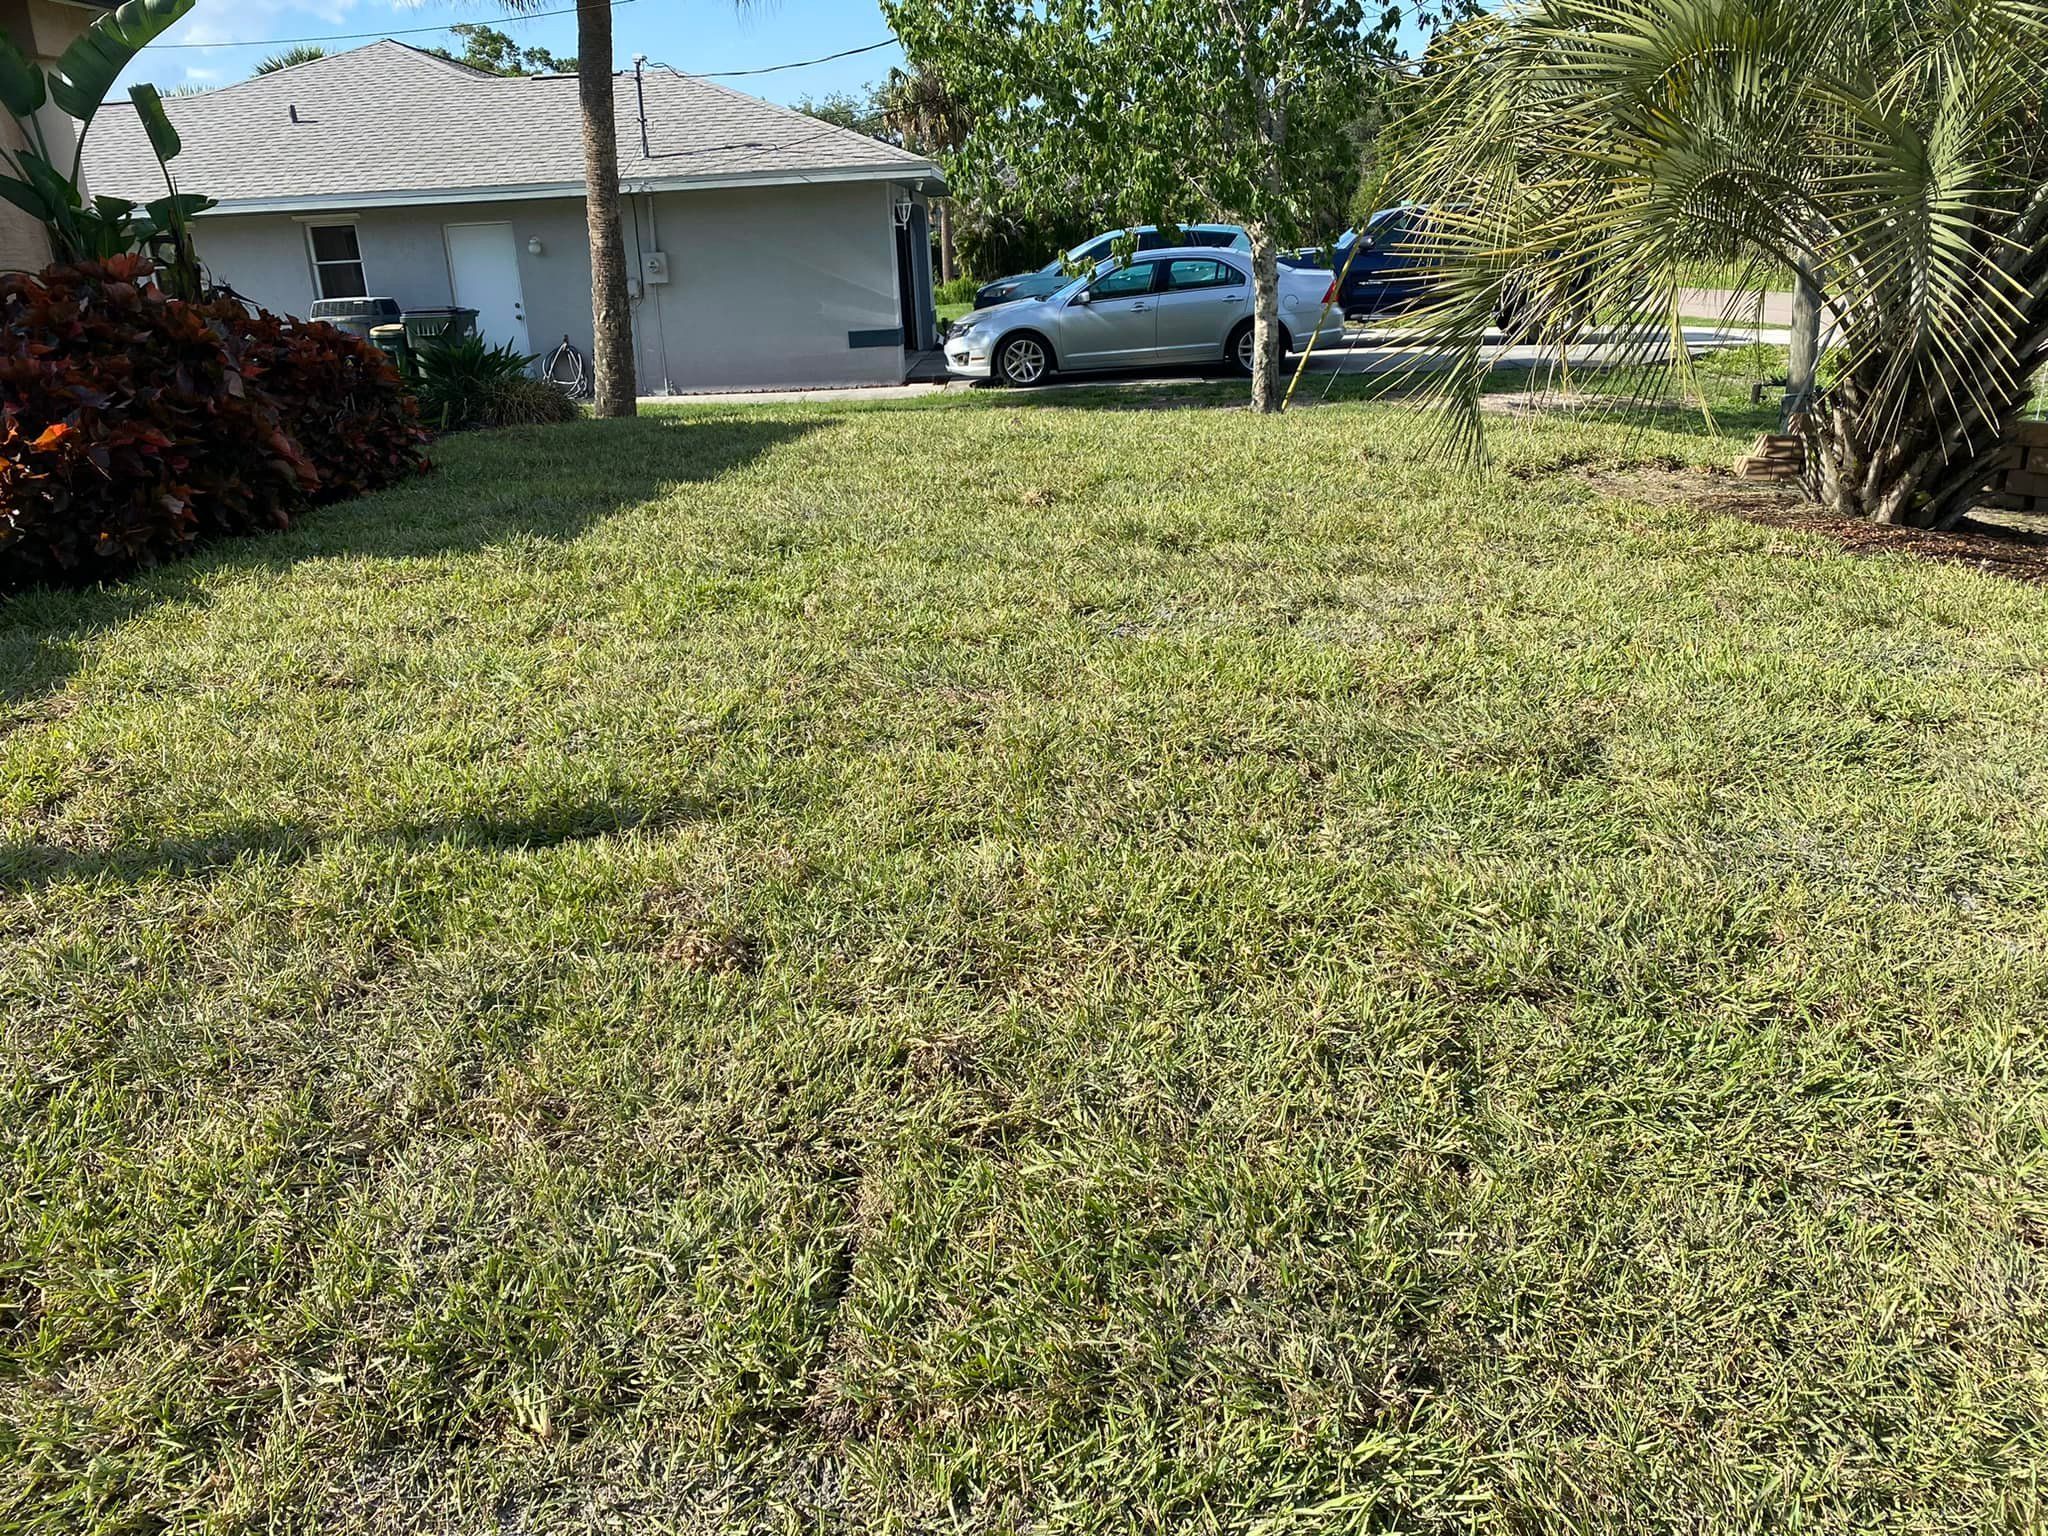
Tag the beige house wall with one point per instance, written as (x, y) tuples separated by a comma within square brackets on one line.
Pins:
[(42, 29)]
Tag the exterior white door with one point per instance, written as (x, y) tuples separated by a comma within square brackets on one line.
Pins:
[(484, 264)]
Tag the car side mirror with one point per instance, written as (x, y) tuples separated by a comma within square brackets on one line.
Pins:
[(1085, 296)]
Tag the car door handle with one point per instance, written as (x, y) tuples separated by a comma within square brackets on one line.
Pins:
[(1140, 307)]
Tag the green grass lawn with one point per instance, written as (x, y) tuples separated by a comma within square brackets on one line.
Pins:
[(1740, 276), (1002, 967)]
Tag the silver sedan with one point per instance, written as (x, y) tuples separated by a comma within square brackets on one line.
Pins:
[(1191, 305)]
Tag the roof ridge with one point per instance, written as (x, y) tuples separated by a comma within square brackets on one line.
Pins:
[(468, 71), (331, 58), (818, 123)]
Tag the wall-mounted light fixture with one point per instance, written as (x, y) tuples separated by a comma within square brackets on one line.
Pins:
[(903, 210), (533, 246)]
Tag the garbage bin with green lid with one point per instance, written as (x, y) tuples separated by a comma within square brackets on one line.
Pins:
[(390, 340), (423, 325)]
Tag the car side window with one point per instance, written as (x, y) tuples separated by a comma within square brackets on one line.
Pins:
[(1193, 272), (1094, 250), (1151, 240), (1124, 283), (1218, 237)]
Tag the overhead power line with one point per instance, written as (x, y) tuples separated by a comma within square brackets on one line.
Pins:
[(356, 37), (773, 69)]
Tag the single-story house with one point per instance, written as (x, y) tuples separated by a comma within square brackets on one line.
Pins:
[(41, 29), (764, 248)]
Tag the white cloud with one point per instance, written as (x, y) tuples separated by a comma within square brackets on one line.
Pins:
[(231, 21)]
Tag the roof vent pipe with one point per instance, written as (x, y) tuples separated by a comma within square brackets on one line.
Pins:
[(640, 96), (293, 108)]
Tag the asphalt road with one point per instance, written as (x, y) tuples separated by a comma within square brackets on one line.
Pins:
[(1363, 352), (1392, 351)]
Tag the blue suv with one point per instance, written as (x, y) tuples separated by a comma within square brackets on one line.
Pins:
[(1391, 273), (1383, 276)]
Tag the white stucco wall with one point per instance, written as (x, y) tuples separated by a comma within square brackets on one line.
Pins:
[(265, 257), (767, 284), (42, 31), (767, 288)]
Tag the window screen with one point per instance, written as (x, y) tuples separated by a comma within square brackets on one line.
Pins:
[(337, 261)]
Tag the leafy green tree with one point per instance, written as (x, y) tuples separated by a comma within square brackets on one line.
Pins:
[(301, 53), (1159, 111), (1893, 153), (857, 112), (498, 53)]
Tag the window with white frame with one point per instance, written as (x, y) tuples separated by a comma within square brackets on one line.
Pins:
[(337, 261)]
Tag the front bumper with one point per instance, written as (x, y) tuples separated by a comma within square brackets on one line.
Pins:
[(972, 360)]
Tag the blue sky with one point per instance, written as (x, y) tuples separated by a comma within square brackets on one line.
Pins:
[(699, 36)]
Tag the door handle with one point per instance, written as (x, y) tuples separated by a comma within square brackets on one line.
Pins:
[(1140, 308)]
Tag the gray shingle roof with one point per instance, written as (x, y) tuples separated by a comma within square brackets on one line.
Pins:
[(390, 120)]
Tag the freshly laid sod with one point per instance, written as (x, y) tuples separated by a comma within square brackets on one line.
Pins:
[(1025, 967)]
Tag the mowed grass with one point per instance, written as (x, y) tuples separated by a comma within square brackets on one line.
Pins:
[(1025, 968)]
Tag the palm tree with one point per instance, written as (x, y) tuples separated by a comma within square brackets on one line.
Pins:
[(611, 313), (921, 111), (302, 53), (1893, 153)]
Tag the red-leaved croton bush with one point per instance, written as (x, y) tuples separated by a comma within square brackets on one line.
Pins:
[(134, 425)]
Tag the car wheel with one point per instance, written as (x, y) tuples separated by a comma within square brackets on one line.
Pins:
[(1022, 361), (1242, 350)]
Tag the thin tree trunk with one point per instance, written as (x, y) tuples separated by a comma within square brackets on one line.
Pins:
[(949, 265), (611, 312), (1805, 363), (1265, 320)]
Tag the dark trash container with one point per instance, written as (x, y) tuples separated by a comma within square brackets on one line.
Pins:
[(438, 324)]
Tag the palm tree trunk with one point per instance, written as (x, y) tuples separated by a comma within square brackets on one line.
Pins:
[(611, 312), (1923, 468), (1265, 319), (949, 264)]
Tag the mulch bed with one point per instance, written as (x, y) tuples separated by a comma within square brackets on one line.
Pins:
[(1998, 542)]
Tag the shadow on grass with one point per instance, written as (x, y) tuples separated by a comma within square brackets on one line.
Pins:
[(486, 488), (28, 864)]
